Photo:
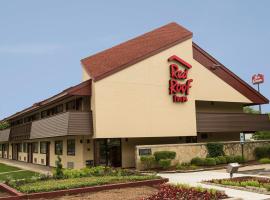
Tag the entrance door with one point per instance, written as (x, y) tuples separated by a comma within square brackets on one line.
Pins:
[(15, 151), (30, 153), (108, 152), (48, 154)]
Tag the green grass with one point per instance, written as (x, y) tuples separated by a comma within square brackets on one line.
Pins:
[(52, 184), (7, 168), (17, 175)]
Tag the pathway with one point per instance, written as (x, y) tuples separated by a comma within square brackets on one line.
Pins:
[(195, 178)]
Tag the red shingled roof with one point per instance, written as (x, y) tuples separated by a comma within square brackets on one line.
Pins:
[(123, 55)]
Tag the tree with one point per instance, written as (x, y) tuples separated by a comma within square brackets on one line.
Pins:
[(59, 168), (4, 125)]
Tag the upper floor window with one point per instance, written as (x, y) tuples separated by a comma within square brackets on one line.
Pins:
[(74, 105)]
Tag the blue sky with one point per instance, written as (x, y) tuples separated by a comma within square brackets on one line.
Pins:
[(41, 43)]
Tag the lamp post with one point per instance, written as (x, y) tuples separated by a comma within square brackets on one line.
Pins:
[(257, 79)]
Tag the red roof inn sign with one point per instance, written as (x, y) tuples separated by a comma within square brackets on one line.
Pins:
[(179, 84), (257, 78)]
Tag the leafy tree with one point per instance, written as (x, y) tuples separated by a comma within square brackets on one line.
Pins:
[(248, 109), (4, 125), (59, 174)]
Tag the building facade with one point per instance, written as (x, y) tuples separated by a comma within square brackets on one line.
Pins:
[(158, 88)]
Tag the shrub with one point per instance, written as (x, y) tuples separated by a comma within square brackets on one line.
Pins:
[(164, 163), (185, 166), (218, 162), (210, 162), (229, 159), (148, 161), (58, 174), (262, 152), (239, 159), (164, 155), (197, 161), (264, 160), (222, 159), (215, 149)]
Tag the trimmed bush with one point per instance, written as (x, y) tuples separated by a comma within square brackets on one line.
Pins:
[(218, 162), (229, 159), (215, 149), (239, 159), (58, 174), (148, 161), (262, 152), (164, 155), (197, 161), (210, 162), (264, 160), (222, 159), (164, 163)]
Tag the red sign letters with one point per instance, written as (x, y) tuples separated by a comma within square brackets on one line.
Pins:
[(179, 84)]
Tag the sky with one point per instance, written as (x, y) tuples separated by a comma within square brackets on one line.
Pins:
[(42, 42)]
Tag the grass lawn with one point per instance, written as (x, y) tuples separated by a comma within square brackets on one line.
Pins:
[(17, 175), (52, 184), (7, 168)]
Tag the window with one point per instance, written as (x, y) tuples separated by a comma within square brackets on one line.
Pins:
[(43, 147), (19, 147), (25, 147), (204, 136), (4, 147), (71, 147), (35, 147), (58, 147)]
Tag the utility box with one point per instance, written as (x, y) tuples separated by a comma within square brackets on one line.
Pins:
[(232, 168)]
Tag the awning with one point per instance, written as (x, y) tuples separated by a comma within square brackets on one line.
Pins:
[(232, 122)]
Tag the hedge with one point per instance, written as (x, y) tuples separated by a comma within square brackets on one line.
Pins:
[(164, 155)]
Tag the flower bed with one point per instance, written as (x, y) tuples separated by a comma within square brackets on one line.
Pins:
[(178, 192), (250, 183)]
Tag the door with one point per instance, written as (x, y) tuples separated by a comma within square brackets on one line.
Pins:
[(15, 151), (108, 152), (48, 154), (30, 153)]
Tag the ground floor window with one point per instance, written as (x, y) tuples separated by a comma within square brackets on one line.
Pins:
[(25, 147), (71, 147), (35, 147), (19, 147), (43, 147), (4, 147), (58, 147)]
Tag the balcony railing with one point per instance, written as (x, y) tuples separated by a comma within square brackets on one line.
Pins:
[(21, 132)]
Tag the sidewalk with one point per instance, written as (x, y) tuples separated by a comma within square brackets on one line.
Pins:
[(27, 166), (195, 178)]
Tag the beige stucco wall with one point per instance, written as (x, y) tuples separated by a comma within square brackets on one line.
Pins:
[(83, 151), (185, 152), (135, 101)]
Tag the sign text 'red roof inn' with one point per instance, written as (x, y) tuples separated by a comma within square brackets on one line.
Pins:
[(177, 87)]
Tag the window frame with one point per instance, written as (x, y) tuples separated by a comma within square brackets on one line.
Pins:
[(71, 151), (35, 148), (55, 147), (40, 147)]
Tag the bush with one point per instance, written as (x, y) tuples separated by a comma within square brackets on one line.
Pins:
[(218, 162), (215, 149), (58, 174), (164, 163), (197, 161), (210, 162), (164, 155), (264, 160), (222, 159), (148, 161), (185, 166), (262, 152), (229, 159), (239, 159)]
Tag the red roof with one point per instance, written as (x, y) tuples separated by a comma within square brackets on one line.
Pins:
[(112, 60), (123, 55)]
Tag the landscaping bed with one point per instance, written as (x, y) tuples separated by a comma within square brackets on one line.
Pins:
[(247, 183), (178, 192)]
